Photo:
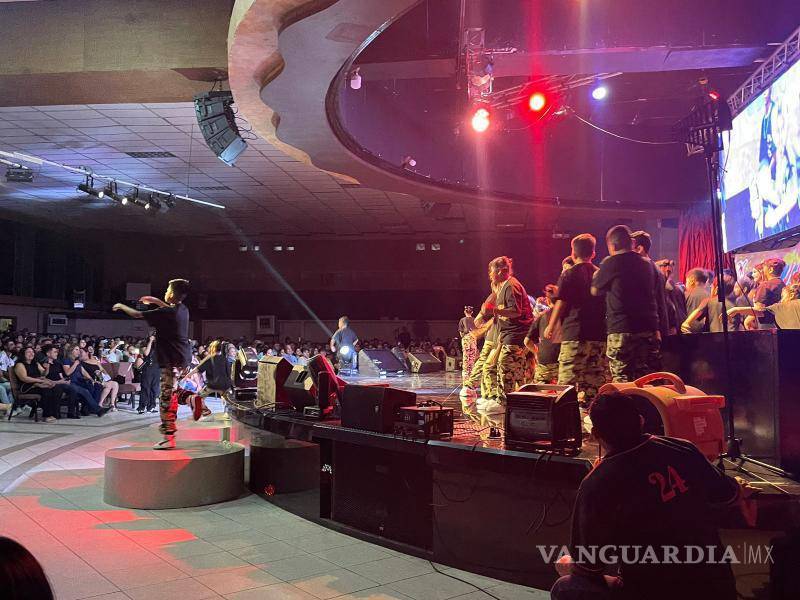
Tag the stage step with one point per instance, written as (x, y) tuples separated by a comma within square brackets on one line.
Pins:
[(194, 474)]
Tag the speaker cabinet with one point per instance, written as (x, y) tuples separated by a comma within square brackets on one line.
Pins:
[(382, 492), (273, 371), (284, 467), (422, 362), (373, 408), (378, 362), (218, 125), (300, 389)]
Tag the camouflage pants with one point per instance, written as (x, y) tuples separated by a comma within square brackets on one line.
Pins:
[(513, 367), (477, 376), (632, 355), (469, 351), (167, 403), (582, 364), (545, 373)]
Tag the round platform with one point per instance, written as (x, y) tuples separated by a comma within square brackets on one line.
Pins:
[(194, 474)]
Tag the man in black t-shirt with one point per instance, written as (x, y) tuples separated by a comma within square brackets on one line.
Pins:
[(769, 291), (641, 245), (545, 350), (650, 503), (630, 286), (343, 344), (581, 316), (173, 351), (514, 316), (696, 295)]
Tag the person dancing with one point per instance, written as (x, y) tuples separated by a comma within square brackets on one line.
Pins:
[(483, 375), (173, 351)]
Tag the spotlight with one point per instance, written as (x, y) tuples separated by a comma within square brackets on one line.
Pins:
[(600, 92), (435, 247), (345, 351), (355, 79), (537, 101), (290, 248), (19, 174), (408, 162), (481, 120), (256, 248), (278, 248), (420, 247), (88, 188), (243, 248)]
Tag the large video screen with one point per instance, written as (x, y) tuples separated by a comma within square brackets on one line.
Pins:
[(759, 182)]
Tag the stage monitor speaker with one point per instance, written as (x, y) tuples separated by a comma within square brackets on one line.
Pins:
[(374, 408), (244, 372), (452, 363), (378, 362), (540, 416), (300, 388), (423, 362), (218, 125), (273, 371)]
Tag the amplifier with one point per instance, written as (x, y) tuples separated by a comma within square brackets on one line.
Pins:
[(373, 408), (423, 362), (540, 417), (424, 421)]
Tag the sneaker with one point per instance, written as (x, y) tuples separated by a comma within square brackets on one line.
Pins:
[(152, 410), (196, 402), (168, 443), (101, 412), (50, 420), (140, 411)]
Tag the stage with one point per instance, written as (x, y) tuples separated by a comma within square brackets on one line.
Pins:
[(464, 501)]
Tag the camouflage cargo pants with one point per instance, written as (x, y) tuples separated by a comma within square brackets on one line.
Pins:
[(167, 403), (481, 373), (582, 364), (632, 355), (513, 369), (545, 373), (469, 352)]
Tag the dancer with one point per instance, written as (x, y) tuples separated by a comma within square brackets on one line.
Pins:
[(343, 344), (484, 372), (173, 351), (469, 345)]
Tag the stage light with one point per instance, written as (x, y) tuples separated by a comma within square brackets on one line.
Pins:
[(256, 248), (600, 92), (355, 79), (290, 248), (19, 175), (345, 351), (537, 101), (87, 188), (408, 162), (420, 247), (481, 120), (243, 248), (436, 247), (278, 248)]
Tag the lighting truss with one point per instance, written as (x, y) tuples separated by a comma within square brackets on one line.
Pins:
[(112, 180), (779, 61)]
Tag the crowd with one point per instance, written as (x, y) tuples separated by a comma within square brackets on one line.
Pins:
[(605, 322)]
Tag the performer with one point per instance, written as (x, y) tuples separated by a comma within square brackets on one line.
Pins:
[(173, 351), (545, 350), (469, 345), (343, 344), (484, 372), (514, 316), (581, 317), (630, 285)]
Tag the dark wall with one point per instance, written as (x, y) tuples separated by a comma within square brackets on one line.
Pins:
[(365, 278)]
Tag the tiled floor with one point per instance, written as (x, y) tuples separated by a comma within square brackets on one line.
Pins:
[(51, 500)]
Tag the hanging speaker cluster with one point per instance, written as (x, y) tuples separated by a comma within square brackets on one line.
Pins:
[(218, 124)]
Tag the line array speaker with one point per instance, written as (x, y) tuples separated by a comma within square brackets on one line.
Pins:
[(218, 125)]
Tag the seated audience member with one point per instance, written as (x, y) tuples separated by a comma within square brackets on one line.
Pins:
[(769, 291), (32, 380), (21, 575), (710, 310), (96, 372), (645, 492), (696, 294), (786, 313), (54, 371), (6, 364)]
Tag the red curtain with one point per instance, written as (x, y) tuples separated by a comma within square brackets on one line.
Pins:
[(696, 241)]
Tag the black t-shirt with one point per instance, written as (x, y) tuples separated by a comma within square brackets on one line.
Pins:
[(769, 293), (344, 337), (548, 351), (629, 284), (661, 300), (787, 314), (676, 305), (663, 492), (172, 346), (694, 299), (512, 332), (404, 337), (217, 373), (55, 371), (585, 315)]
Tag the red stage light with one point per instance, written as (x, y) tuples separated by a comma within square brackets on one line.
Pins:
[(537, 101), (714, 95), (481, 120)]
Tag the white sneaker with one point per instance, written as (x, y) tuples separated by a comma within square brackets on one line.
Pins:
[(168, 443), (490, 406)]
